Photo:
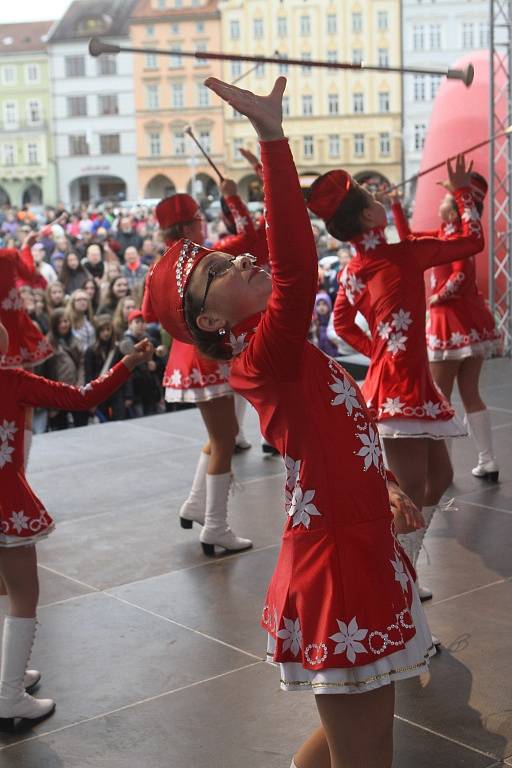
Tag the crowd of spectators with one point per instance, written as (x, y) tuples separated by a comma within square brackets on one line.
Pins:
[(86, 294)]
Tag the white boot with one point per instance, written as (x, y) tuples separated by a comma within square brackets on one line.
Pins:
[(192, 511), (18, 637), (27, 445), (32, 676), (241, 442), (216, 531), (481, 432), (412, 543)]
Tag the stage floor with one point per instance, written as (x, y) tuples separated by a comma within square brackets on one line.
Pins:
[(154, 653)]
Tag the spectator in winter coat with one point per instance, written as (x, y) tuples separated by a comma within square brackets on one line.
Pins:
[(126, 236), (80, 314), (93, 261), (99, 359), (66, 365), (143, 393), (133, 269), (73, 275)]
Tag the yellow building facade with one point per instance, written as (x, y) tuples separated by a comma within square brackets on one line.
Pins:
[(333, 118), (170, 96)]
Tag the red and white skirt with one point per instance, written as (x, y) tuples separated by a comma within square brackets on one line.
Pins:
[(27, 345), (462, 328), (191, 378), (23, 518)]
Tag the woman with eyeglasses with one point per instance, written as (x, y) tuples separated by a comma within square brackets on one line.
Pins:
[(192, 378), (80, 315)]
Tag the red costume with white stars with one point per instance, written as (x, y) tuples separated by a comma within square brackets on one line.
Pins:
[(399, 389), (460, 324), (23, 518), (27, 345)]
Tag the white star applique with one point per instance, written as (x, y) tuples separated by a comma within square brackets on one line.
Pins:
[(348, 639), (370, 241), (345, 394), (392, 406), (401, 320), (370, 450), (292, 635), (396, 343), (301, 509)]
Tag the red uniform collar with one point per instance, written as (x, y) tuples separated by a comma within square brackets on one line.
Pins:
[(237, 338), (369, 241)]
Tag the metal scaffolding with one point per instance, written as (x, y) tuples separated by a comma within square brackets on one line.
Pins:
[(500, 181)]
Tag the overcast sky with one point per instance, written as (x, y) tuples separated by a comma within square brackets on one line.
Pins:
[(31, 10)]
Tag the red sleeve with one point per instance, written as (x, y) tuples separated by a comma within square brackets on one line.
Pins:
[(456, 282), (248, 239), (431, 251), (402, 224), (40, 392), (147, 307), (25, 264), (279, 342), (350, 294)]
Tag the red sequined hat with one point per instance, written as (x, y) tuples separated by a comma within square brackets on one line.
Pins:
[(175, 210), (327, 192), (479, 186), (166, 285)]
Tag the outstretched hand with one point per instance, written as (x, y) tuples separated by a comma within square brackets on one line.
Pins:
[(459, 175), (264, 112), (142, 353)]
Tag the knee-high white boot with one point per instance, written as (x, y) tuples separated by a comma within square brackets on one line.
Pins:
[(27, 445), (18, 638), (412, 543), (241, 442), (216, 531), (192, 511), (481, 432), (32, 676)]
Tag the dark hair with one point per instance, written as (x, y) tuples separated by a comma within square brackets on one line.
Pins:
[(209, 343), (346, 222), (176, 232), (54, 337)]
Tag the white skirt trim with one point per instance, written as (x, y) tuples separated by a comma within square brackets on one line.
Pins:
[(434, 430), (197, 394), (25, 541), (411, 661), (483, 349)]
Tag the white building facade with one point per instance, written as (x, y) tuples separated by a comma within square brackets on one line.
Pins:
[(93, 107), (435, 35)]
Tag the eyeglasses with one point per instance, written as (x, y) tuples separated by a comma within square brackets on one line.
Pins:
[(243, 262)]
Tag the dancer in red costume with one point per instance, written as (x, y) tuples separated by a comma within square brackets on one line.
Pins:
[(191, 377), (24, 520), (461, 331), (342, 612), (412, 415)]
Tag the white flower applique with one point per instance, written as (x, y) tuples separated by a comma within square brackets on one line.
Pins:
[(237, 343), (401, 320), (6, 452), (175, 379), (400, 573), (292, 635), (223, 371), (370, 450), (384, 329), (450, 229), (7, 430), (396, 343), (195, 376), (393, 405), (301, 507), (434, 341), (292, 471), (348, 639), (19, 521), (12, 300), (370, 241), (456, 338), (345, 394), (432, 410)]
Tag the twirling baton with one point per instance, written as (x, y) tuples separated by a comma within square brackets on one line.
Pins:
[(190, 132)]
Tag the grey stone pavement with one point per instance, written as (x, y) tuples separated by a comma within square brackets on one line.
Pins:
[(154, 653)]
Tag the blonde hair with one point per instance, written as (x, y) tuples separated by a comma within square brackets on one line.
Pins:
[(71, 312), (118, 321)]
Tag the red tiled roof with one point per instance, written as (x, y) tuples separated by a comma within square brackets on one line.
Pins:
[(144, 11), (26, 37)]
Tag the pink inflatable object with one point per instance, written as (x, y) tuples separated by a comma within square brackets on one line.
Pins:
[(459, 119)]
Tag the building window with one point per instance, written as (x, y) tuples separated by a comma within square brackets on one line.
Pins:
[(435, 82), (155, 146), (286, 106), (151, 61), (161, 4), (307, 105), (203, 95), (33, 153), (358, 103), (305, 69), (8, 75), (177, 95), (175, 61), (333, 104), (75, 66), (357, 55), (200, 26), (32, 73), (200, 48), (383, 101), (332, 56), (305, 26), (205, 139), (282, 26), (78, 145), (110, 144), (234, 29), (236, 68), (308, 147), (152, 97), (283, 67), (383, 57), (418, 37), (468, 35), (435, 37), (175, 28), (420, 90), (8, 154), (382, 21), (357, 22), (10, 114), (484, 35), (150, 30), (332, 24), (385, 144), (178, 3), (178, 143), (420, 133), (77, 106), (260, 70), (358, 144), (238, 144), (257, 26), (34, 112), (107, 64), (108, 104), (334, 145)]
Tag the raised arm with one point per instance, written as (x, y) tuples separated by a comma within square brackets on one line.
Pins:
[(247, 239), (348, 300), (402, 224)]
